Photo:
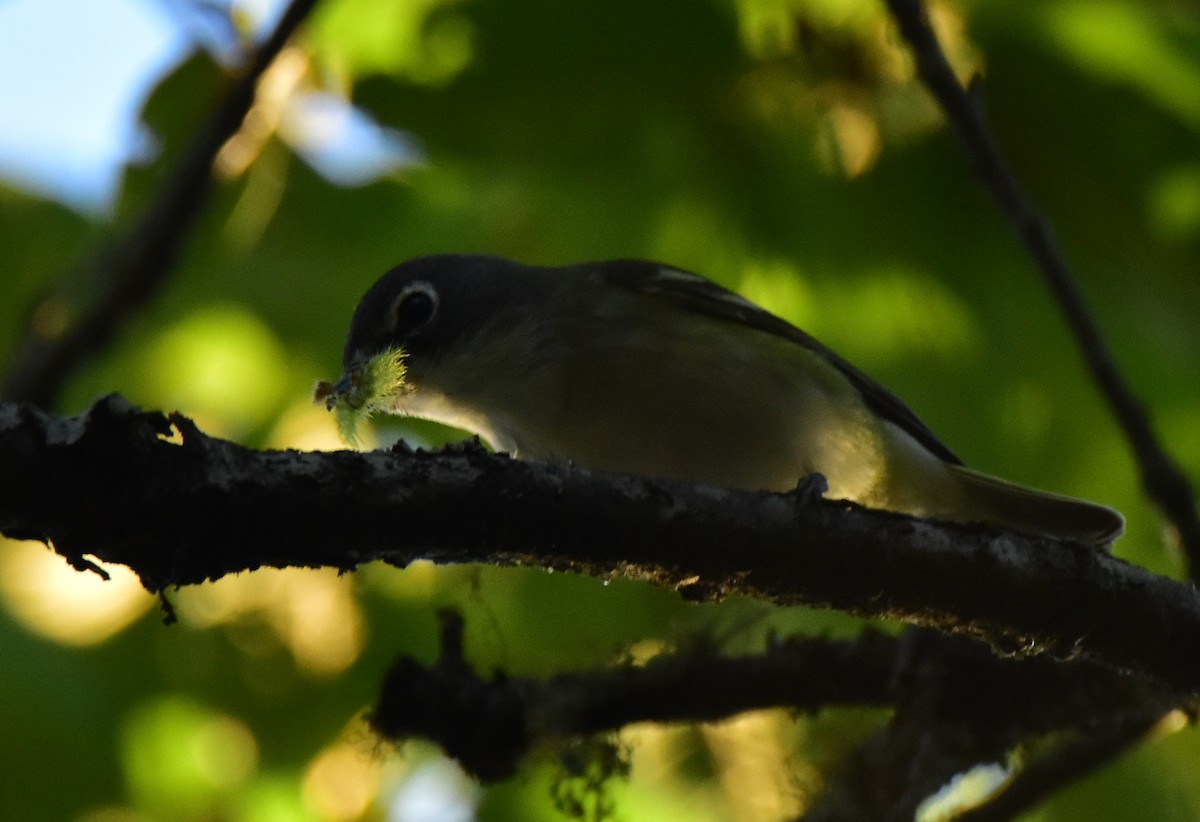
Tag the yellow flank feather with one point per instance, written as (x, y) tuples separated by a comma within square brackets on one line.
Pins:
[(369, 388)]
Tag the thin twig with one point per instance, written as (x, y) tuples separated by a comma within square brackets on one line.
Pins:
[(134, 267), (1067, 763), (957, 705), (1162, 478)]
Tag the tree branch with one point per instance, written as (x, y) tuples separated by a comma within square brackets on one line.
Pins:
[(1068, 763), (1162, 478), (488, 725), (109, 484), (957, 706), (130, 271)]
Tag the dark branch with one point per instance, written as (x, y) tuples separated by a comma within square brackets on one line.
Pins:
[(1162, 478), (957, 706), (126, 275), (1067, 763), (489, 724), (109, 484)]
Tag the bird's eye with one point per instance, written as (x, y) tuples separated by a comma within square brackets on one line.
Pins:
[(414, 308)]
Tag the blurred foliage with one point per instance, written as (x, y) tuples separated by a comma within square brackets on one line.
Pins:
[(778, 146)]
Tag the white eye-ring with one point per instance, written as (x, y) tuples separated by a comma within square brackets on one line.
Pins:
[(414, 308)]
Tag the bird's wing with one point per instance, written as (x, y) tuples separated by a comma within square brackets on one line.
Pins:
[(695, 293)]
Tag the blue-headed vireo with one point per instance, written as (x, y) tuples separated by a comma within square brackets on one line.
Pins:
[(643, 368)]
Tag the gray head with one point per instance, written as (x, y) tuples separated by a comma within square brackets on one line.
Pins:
[(433, 304)]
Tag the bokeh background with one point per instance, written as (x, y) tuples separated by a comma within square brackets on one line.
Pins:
[(781, 147)]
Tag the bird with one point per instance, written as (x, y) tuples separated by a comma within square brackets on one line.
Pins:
[(643, 368)]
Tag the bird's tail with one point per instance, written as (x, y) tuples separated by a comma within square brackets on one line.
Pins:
[(1039, 512)]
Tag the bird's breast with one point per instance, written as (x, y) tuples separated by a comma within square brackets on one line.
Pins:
[(736, 408)]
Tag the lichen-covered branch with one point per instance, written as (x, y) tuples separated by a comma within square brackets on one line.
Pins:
[(113, 484), (490, 722)]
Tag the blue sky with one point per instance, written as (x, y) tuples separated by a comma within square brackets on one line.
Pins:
[(76, 73)]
